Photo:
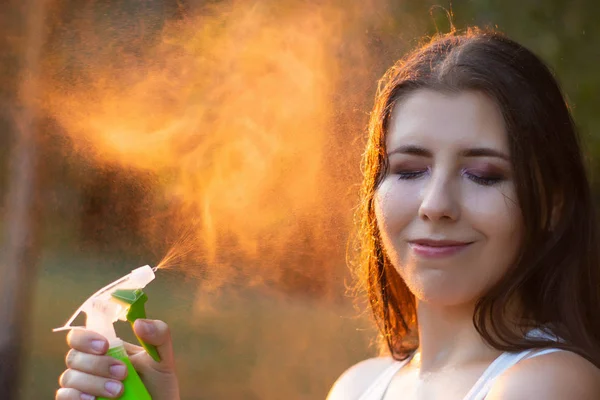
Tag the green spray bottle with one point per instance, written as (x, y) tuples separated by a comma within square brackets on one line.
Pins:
[(123, 300)]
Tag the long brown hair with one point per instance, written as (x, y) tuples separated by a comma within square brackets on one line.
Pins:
[(556, 277)]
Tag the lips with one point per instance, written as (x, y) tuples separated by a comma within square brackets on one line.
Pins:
[(438, 243), (437, 248)]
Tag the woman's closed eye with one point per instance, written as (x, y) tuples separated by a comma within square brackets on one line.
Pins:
[(485, 181), (411, 174), (484, 178)]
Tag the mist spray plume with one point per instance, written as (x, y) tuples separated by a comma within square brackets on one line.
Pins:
[(232, 107)]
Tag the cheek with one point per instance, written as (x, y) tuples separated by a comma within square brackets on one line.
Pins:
[(395, 206), (495, 212), (496, 215)]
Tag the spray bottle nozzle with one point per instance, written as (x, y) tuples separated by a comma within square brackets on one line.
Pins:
[(122, 299), (135, 300)]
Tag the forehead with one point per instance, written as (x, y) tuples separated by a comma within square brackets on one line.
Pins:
[(439, 120)]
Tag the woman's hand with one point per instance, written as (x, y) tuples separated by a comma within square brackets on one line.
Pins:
[(90, 373)]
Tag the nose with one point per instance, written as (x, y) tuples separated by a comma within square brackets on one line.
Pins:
[(439, 200)]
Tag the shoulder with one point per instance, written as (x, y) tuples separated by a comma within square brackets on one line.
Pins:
[(559, 375), (356, 379)]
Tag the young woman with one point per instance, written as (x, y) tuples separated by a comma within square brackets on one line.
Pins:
[(479, 243), (478, 236)]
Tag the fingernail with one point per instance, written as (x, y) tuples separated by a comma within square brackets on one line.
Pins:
[(98, 345), (147, 327), (118, 371), (113, 388), (86, 397)]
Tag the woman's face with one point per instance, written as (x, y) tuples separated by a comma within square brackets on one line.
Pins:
[(447, 210)]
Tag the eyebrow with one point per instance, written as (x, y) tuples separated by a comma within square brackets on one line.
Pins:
[(471, 152)]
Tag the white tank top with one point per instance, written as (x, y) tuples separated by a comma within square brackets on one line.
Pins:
[(483, 385)]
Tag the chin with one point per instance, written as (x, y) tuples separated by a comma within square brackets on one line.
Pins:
[(443, 292)]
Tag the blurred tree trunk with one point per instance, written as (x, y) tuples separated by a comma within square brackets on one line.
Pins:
[(18, 262)]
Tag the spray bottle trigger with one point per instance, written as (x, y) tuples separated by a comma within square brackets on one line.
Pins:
[(136, 298)]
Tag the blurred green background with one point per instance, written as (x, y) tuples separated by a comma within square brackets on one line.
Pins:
[(289, 338)]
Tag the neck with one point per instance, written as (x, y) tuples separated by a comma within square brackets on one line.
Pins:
[(448, 338)]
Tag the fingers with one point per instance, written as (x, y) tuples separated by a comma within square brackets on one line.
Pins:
[(90, 384), (103, 366), (157, 333), (132, 349), (72, 394), (90, 373), (87, 341)]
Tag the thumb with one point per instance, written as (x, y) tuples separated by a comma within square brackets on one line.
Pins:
[(157, 333)]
